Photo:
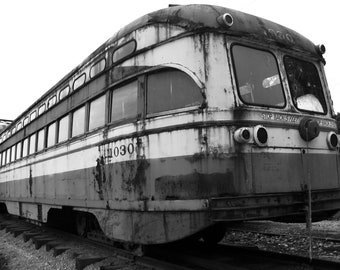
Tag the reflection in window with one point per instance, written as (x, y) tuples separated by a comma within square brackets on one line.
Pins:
[(32, 144), (51, 134), (25, 121), (25, 148), (63, 93), (8, 156), (123, 51), (171, 89), (305, 85), (97, 113), (79, 81), (18, 150), (41, 140), (33, 115), (3, 158), (124, 102), (63, 129), (13, 153), (52, 101), (97, 68), (41, 109), (258, 77), (78, 123)]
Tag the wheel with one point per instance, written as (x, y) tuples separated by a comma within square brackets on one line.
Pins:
[(81, 224), (214, 234)]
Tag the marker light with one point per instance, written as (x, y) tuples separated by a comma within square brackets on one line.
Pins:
[(321, 49), (225, 20), (242, 135), (260, 136), (332, 140)]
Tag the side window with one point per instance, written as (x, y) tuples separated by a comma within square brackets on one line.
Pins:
[(258, 78), (18, 150), (171, 89), (51, 130), (41, 140), (78, 123), (97, 112), (32, 144), (124, 102), (124, 51), (63, 129), (13, 153), (25, 148), (305, 85), (3, 160), (63, 93), (8, 156)]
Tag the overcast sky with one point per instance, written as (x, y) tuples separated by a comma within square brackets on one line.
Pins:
[(41, 41)]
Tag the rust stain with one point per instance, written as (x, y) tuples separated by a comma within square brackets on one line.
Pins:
[(100, 177), (30, 183)]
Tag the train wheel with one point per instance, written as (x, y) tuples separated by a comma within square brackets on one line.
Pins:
[(81, 224), (214, 234)]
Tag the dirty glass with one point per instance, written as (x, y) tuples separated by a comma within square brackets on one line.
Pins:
[(25, 148), (63, 129), (124, 102), (8, 156), (18, 150), (3, 158), (97, 112), (51, 135), (78, 124), (13, 153), (32, 144), (97, 68), (171, 89), (258, 78), (305, 85), (41, 139), (123, 51)]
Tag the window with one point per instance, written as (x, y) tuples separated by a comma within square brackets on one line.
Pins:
[(25, 148), (41, 109), (13, 153), (79, 81), (63, 93), (51, 131), (124, 50), (18, 156), (32, 144), (63, 129), (33, 115), (25, 121), (78, 123), (124, 102), (41, 140), (305, 86), (97, 112), (258, 78), (19, 126), (97, 68), (3, 158), (171, 89), (13, 130), (8, 156), (51, 102)]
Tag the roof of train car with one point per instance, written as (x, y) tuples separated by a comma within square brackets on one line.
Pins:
[(194, 18)]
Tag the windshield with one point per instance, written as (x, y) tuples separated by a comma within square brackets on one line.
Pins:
[(258, 77), (305, 86)]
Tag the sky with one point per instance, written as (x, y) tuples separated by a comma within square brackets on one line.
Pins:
[(43, 40)]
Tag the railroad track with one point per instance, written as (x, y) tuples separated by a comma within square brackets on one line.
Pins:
[(180, 256)]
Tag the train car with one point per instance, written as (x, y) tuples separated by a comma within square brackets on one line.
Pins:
[(186, 119)]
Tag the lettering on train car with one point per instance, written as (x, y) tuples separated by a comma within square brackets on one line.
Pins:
[(280, 117), (112, 151), (270, 33)]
